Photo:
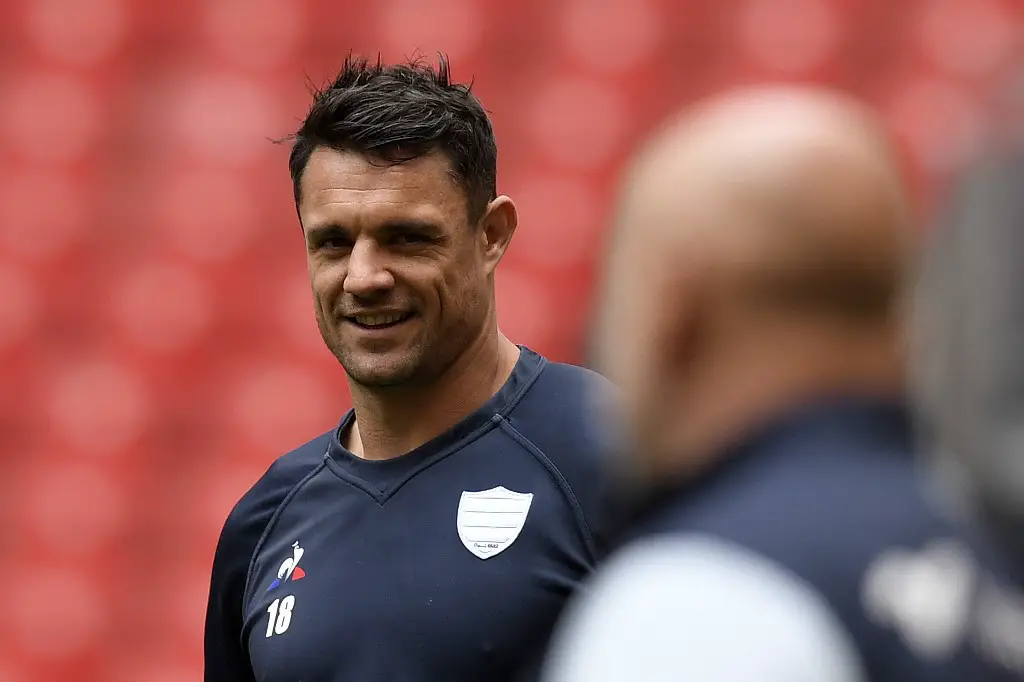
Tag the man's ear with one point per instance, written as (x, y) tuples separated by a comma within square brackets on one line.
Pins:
[(496, 229), (676, 334)]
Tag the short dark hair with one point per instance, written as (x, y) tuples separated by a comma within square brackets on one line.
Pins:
[(396, 113)]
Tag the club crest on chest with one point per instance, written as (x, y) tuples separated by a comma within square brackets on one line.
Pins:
[(489, 521)]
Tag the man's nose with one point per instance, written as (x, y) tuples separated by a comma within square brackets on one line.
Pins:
[(367, 274)]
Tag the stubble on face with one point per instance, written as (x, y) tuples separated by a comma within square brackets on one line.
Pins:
[(403, 246)]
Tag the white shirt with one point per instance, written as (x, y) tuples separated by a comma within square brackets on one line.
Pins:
[(695, 609)]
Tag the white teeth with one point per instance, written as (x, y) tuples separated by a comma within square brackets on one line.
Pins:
[(377, 320)]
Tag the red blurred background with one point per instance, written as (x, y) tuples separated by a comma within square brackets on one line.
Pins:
[(157, 342)]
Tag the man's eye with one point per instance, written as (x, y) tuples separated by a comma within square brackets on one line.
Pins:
[(333, 243), (411, 238)]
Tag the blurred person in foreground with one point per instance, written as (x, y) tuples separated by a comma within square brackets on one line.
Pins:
[(751, 315), (436, 533)]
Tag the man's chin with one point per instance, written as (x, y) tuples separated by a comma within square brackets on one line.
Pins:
[(379, 372)]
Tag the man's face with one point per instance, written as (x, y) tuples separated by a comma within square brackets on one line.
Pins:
[(400, 279)]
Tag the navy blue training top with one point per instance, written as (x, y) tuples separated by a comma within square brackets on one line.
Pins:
[(451, 562), (811, 552), (831, 495)]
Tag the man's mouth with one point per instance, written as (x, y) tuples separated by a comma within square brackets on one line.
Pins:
[(379, 321)]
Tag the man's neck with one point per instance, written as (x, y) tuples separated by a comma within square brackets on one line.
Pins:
[(391, 423), (749, 390)]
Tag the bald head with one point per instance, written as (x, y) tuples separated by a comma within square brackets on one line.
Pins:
[(791, 196), (757, 215)]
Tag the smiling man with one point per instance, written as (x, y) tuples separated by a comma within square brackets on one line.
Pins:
[(436, 533)]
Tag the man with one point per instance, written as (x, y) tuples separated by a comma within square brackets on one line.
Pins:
[(751, 318), (436, 533), (969, 373)]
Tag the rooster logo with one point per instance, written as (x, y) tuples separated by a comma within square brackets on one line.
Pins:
[(290, 569)]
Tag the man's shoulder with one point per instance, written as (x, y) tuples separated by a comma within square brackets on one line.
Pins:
[(829, 521), (789, 498), (567, 402), (574, 377), (567, 414), (253, 512)]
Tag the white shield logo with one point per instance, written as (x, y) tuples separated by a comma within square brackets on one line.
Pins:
[(491, 520)]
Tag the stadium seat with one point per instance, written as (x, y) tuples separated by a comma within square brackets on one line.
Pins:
[(156, 321)]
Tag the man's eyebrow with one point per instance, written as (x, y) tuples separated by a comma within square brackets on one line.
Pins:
[(324, 230), (410, 225), (398, 225)]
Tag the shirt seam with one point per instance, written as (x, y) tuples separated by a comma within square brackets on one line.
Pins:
[(558, 478), (248, 593)]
